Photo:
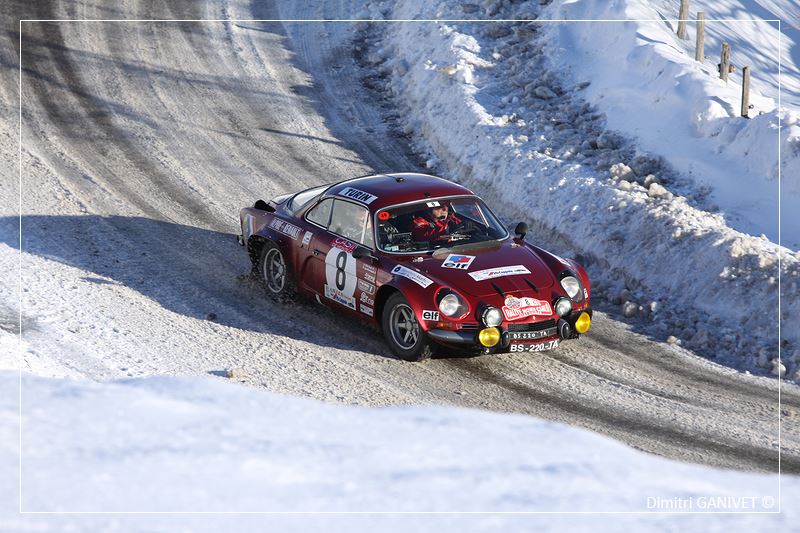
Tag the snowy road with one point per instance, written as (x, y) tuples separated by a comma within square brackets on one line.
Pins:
[(141, 141)]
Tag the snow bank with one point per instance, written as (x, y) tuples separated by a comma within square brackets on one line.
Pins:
[(170, 444), (484, 103), (646, 81)]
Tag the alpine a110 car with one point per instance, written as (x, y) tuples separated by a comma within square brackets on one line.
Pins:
[(421, 258)]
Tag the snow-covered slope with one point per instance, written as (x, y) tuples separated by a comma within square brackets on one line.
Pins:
[(170, 444), (496, 106), (647, 83)]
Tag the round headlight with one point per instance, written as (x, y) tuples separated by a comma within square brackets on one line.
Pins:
[(492, 316), (453, 305), (563, 306), (571, 285)]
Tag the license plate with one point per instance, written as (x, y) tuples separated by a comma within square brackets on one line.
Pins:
[(531, 335), (539, 347)]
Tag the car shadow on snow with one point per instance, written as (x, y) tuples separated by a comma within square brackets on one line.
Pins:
[(199, 273)]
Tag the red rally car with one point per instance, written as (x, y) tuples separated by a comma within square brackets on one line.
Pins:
[(423, 259)]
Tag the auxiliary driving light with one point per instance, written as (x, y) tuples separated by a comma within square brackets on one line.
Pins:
[(563, 306), (492, 316), (583, 323), (489, 337)]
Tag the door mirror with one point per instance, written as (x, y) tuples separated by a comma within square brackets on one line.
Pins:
[(521, 230)]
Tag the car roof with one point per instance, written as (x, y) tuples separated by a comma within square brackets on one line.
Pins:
[(383, 190)]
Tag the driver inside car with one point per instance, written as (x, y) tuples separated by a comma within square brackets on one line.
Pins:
[(436, 224)]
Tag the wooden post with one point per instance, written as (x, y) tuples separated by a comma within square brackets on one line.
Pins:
[(725, 62), (682, 16), (745, 92), (701, 28)]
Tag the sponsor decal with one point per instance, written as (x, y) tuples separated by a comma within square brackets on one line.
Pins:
[(339, 297), (366, 309), (366, 299), (433, 316), (461, 262), (585, 293), (284, 227), (363, 286), (418, 260), (413, 275), (343, 244), (369, 268), (517, 308), (307, 238), (369, 277), (498, 272), (355, 194), (432, 204)]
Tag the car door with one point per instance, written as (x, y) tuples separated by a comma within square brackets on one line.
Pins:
[(337, 276)]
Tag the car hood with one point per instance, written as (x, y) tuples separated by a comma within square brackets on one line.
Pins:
[(493, 264)]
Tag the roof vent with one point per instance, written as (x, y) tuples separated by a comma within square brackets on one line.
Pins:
[(427, 195), (399, 179)]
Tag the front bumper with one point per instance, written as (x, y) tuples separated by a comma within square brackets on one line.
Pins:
[(563, 329)]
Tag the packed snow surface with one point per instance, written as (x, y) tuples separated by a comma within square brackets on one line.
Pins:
[(178, 444)]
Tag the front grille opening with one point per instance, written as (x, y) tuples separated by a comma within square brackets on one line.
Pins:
[(533, 326)]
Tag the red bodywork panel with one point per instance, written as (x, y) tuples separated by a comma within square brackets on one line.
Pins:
[(512, 275)]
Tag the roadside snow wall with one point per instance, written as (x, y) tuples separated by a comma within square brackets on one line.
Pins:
[(478, 99)]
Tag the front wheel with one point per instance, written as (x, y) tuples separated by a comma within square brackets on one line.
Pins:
[(274, 272), (402, 330)]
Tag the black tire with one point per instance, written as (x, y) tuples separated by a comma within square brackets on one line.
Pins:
[(408, 344), (275, 273)]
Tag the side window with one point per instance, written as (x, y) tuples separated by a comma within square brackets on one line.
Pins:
[(320, 214), (302, 198), (349, 220)]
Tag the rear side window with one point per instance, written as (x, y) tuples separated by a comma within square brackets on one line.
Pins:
[(302, 198), (350, 220), (321, 213)]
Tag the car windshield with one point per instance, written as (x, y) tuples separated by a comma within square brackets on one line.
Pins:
[(433, 224)]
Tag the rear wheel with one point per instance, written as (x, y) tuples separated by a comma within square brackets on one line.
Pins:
[(274, 272), (403, 332)]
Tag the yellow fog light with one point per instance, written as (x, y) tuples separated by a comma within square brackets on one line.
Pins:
[(489, 337), (583, 322)]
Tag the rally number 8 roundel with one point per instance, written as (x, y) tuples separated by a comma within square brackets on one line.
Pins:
[(340, 272)]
